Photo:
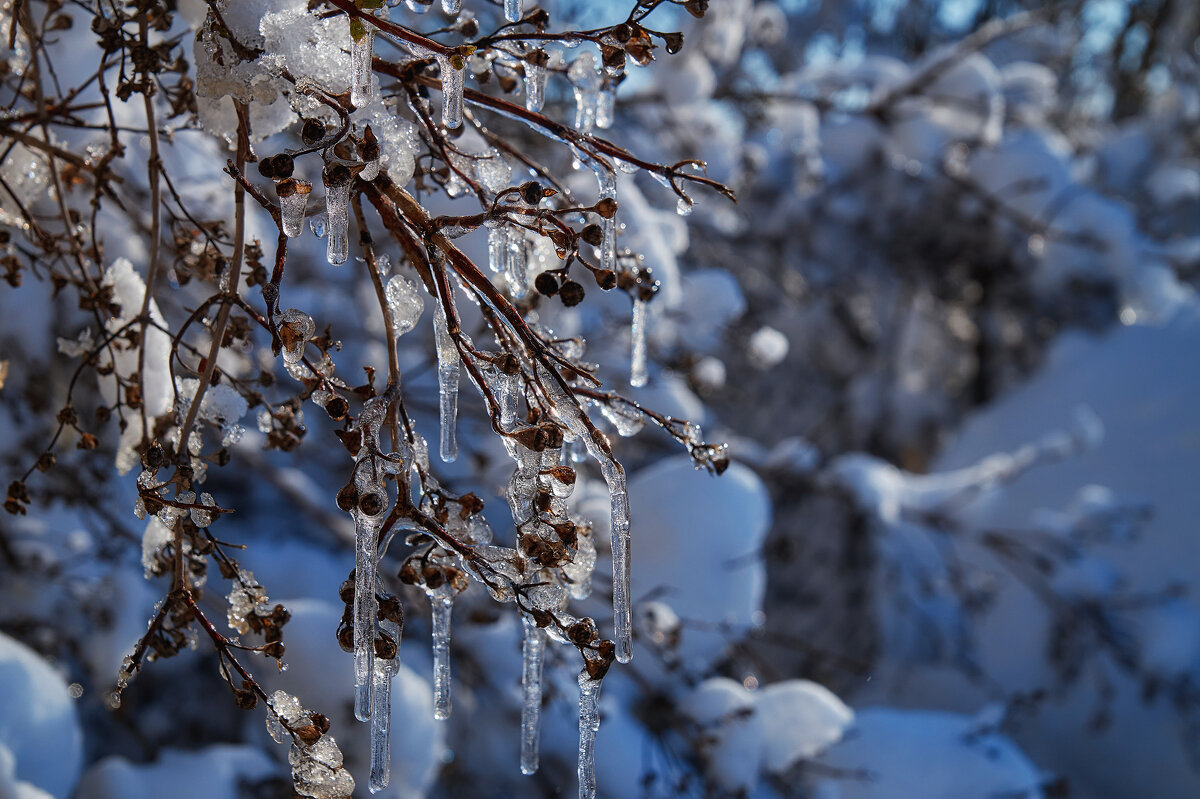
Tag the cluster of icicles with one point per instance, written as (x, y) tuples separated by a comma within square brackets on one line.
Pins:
[(541, 591), (509, 574)]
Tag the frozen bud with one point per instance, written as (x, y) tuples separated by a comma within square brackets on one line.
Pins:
[(607, 208), (372, 502), (613, 58), (391, 610), (673, 42), (593, 235), (266, 168), (531, 192), (385, 648), (571, 293), (582, 632), (282, 165), (313, 131), (605, 278), (509, 364), (337, 408), (546, 284), (347, 498)]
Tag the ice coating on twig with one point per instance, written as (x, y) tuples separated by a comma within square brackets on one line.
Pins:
[(587, 81), (293, 199), (451, 7), (637, 329), (535, 81), (337, 206), (569, 413), (452, 90), (589, 725), (512, 10), (381, 711), (441, 603), (448, 372), (362, 48), (532, 653), (295, 329)]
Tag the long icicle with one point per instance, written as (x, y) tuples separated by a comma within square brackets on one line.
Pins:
[(568, 411), (362, 47), (381, 711), (533, 652), (589, 725), (448, 374), (638, 372), (512, 10), (441, 604)]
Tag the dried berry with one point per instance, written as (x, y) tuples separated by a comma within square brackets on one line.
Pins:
[(571, 293)]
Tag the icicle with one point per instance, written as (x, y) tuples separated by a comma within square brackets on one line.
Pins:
[(606, 180), (365, 610), (531, 683), (586, 79), (368, 515), (589, 725), (535, 80), (516, 269), (605, 105), (569, 413), (452, 89), (441, 603), (512, 10), (448, 371), (497, 247), (337, 204), (362, 48), (451, 7), (637, 372), (381, 711), (293, 198)]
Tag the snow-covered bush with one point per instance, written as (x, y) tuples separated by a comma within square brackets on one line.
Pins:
[(244, 244)]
